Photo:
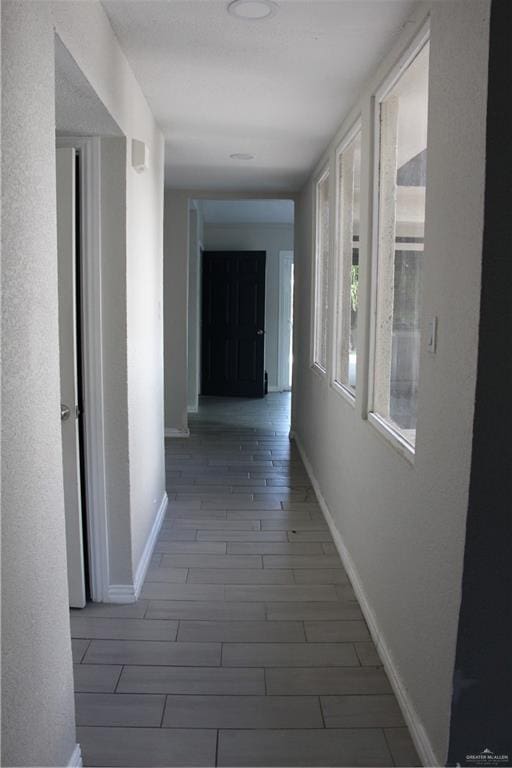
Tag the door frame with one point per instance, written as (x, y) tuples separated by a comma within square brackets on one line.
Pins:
[(92, 362), (284, 257)]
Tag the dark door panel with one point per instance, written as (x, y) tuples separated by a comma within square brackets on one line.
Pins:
[(233, 316)]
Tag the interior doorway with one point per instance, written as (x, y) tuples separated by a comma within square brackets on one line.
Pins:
[(71, 409), (224, 225), (83, 128)]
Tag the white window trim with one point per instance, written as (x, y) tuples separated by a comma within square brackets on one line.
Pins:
[(315, 366), (383, 427), (347, 393), (285, 258), (337, 386), (392, 436)]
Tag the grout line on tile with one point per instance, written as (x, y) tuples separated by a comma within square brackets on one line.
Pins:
[(217, 748), (321, 710), (85, 650), (163, 711), (119, 678), (388, 746)]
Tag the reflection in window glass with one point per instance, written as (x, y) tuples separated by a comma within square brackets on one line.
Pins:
[(321, 273), (402, 184), (347, 295)]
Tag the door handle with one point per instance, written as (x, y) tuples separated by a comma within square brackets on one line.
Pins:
[(65, 412), (260, 332)]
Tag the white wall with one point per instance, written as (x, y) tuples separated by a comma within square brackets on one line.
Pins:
[(176, 250), (37, 690), (194, 309), (115, 380), (144, 264), (403, 525), (271, 238), (37, 686)]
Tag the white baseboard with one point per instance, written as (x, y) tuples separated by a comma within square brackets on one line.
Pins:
[(416, 728), (175, 432), (75, 761), (120, 593), (142, 568), (129, 593), (192, 408)]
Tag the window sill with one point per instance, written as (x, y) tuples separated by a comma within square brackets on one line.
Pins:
[(345, 392), (318, 370), (393, 437)]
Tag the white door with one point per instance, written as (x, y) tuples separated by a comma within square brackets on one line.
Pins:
[(66, 244)]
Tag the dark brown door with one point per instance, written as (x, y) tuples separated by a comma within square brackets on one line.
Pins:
[(233, 315)]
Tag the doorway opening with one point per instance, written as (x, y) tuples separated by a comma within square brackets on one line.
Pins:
[(82, 124), (71, 409), (240, 297)]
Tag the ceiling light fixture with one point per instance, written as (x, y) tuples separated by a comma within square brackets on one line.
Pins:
[(252, 10), (242, 156)]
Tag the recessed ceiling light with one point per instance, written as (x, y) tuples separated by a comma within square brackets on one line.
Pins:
[(252, 10), (242, 156)]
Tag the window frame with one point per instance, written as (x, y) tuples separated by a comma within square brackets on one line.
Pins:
[(378, 422), (345, 391), (315, 365)]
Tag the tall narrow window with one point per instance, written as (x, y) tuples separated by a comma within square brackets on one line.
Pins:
[(402, 184), (321, 273), (348, 170)]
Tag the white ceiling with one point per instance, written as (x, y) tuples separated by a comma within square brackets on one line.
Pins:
[(276, 88), (246, 211)]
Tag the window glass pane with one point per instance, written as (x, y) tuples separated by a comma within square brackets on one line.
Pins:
[(347, 297), (402, 184), (321, 272)]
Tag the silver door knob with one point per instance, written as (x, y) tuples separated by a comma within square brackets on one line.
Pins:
[(260, 332), (65, 412)]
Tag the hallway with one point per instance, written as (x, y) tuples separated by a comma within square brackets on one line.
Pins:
[(247, 646)]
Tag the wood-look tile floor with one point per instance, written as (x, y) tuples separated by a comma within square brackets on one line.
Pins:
[(247, 646)]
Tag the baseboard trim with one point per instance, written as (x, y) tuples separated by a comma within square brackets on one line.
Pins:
[(120, 593), (175, 432), (129, 593), (75, 761), (416, 728), (142, 568), (192, 408)]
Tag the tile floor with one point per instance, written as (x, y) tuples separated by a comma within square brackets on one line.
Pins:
[(247, 647)]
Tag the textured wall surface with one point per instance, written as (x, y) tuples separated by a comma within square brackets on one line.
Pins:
[(37, 685), (272, 239), (404, 525), (37, 689)]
